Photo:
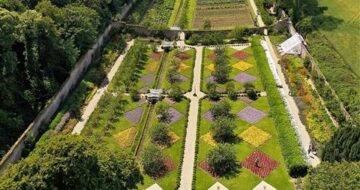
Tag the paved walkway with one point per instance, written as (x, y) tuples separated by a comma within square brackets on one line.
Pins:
[(89, 109), (187, 170), (293, 110)]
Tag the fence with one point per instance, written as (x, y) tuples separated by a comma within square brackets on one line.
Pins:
[(76, 74)]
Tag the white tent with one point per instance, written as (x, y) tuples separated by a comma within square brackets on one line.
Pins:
[(218, 186), (293, 45), (154, 187), (264, 186)]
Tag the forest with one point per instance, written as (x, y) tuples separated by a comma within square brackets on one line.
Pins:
[(40, 42)]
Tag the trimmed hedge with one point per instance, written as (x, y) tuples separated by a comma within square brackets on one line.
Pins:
[(291, 150)]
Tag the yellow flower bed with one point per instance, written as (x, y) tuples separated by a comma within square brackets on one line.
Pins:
[(243, 66), (126, 138), (211, 67), (183, 67), (208, 139), (255, 136)]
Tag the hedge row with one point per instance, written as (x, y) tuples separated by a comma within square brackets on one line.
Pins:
[(291, 150)]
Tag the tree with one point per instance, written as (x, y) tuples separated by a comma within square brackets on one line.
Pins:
[(223, 129), (222, 67), (160, 134), (338, 175), (230, 89), (238, 33), (221, 109), (175, 93), (153, 160), (222, 160), (345, 145), (72, 162), (250, 91), (163, 113), (207, 24), (135, 95), (212, 93)]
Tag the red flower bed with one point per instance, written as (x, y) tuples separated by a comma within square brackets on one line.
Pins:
[(183, 56), (240, 55), (260, 164), (207, 168), (156, 56), (169, 166), (212, 56)]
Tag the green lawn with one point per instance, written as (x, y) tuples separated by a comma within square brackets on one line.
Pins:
[(245, 179), (186, 71), (346, 36), (206, 72), (174, 152)]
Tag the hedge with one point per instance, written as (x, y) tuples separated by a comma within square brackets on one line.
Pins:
[(291, 150)]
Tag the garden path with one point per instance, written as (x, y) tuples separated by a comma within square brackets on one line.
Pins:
[(89, 109), (187, 170), (303, 135)]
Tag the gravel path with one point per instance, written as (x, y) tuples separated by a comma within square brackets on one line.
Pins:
[(187, 170), (100, 92)]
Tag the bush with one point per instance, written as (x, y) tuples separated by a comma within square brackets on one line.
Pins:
[(296, 171), (222, 160), (223, 129), (152, 160), (175, 93), (163, 113), (212, 93), (160, 134), (221, 109), (230, 90), (135, 96)]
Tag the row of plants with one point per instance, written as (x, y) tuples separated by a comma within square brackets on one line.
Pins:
[(207, 2), (340, 77), (157, 17), (82, 94), (263, 6), (291, 150), (317, 121), (175, 12)]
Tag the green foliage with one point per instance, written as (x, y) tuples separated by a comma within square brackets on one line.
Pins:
[(345, 145), (212, 93), (175, 93), (238, 34), (222, 66), (207, 24), (287, 138), (338, 175), (222, 109), (158, 15), (261, 5), (213, 38), (223, 129), (72, 162), (162, 112), (184, 18), (160, 134), (152, 160), (223, 161), (230, 90)]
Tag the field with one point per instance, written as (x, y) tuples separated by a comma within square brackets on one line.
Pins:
[(261, 124), (345, 36), (222, 14)]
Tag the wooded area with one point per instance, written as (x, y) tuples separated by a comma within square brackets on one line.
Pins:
[(40, 43)]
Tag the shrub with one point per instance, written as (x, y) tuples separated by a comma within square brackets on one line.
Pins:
[(222, 160), (221, 109), (152, 160), (175, 93), (135, 96), (160, 134), (223, 129), (163, 113), (230, 90), (212, 93)]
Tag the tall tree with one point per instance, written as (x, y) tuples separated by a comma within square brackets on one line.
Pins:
[(72, 162)]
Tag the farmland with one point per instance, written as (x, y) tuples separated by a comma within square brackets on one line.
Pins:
[(222, 14)]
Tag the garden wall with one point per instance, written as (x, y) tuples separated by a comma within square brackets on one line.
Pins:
[(76, 74)]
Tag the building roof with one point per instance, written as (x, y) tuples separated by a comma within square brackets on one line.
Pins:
[(167, 44), (292, 45)]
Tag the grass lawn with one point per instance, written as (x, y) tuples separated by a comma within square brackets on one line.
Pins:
[(186, 69), (206, 72), (345, 36), (245, 179), (174, 152), (174, 13)]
